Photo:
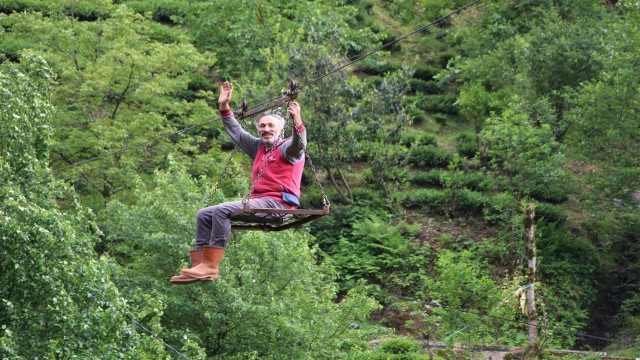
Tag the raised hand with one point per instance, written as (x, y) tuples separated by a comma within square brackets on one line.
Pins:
[(226, 89), (294, 111)]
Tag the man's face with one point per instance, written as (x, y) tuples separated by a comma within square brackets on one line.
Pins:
[(269, 130)]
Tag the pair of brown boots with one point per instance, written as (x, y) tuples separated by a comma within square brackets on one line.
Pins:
[(204, 266)]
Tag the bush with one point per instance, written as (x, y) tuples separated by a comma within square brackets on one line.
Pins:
[(469, 201), (426, 178), (84, 10), (550, 213), (440, 118), (424, 86), (553, 194), (445, 56), (165, 11), (472, 181), (438, 103), (425, 72), (400, 346), (427, 139), (477, 181), (429, 155), (431, 199), (408, 140), (417, 116), (498, 209), (467, 145)]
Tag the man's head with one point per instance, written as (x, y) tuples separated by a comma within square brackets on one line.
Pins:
[(270, 128)]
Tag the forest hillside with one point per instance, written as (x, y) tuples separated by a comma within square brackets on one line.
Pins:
[(432, 126)]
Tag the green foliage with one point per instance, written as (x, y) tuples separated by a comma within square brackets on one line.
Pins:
[(476, 181), (117, 88), (430, 199), (628, 322), (550, 213), (373, 67), (437, 103), (424, 86), (500, 208), (84, 9), (604, 125), (426, 178), (568, 270), (523, 154), (414, 139), (381, 252), (57, 300), (463, 282), (429, 156), (274, 298), (440, 118), (476, 103), (129, 71), (467, 145), (400, 346)]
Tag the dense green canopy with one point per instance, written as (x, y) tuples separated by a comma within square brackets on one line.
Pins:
[(429, 148)]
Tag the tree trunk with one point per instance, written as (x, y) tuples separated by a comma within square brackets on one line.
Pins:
[(346, 184), (532, 319), (335, 185)]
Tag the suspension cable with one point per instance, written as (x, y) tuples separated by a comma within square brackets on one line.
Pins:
[(371, 52), (350, 62)]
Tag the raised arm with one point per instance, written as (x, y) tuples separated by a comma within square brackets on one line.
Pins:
[(294, 151), (247, 142)]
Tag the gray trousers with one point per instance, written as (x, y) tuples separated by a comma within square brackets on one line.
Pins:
[(213, 224)]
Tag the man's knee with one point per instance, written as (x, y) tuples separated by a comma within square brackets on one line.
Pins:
[(224, 209), (204, 214)]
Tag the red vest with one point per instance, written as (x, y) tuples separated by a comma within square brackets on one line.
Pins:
[(278, 175)]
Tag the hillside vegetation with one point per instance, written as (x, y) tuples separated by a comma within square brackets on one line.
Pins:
[(428, 146)]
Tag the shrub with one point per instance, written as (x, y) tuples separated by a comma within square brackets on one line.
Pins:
[(472, 181), (400, 346), (467, 145), (554, 194), (424, 86), (499, 207), (430, 199), (414, 139), (427, 139), (425, 72), (426, 178), (429, 155), (438, 103), (550, 213), (470, 201), (445, 56), (440, 118), (417, 116), (477, 181)]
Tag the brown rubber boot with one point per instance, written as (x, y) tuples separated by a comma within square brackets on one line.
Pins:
[(208, 268), (196, 259)]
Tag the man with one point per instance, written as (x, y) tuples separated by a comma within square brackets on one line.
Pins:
[(277, 186)]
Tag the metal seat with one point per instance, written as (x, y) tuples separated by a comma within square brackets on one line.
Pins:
[(273, 219)]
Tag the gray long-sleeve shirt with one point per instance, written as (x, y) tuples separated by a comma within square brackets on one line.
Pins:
[(292, 149)]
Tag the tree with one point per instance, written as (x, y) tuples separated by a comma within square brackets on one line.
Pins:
[(117, 86), (56, 299), (274, 297), (524, 153), (604, 111)]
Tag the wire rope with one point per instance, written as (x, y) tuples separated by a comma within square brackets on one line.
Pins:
[(313, 81)]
